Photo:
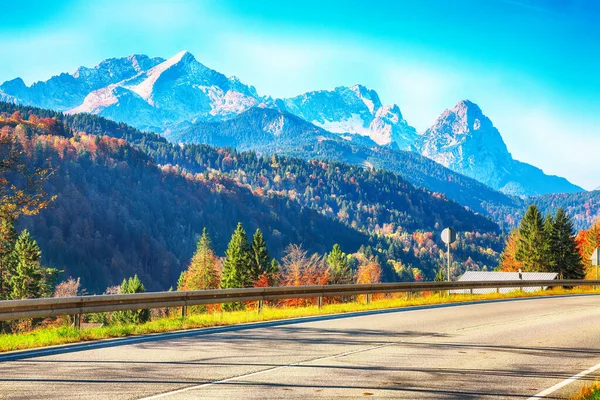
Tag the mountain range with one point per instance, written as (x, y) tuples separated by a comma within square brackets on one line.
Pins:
[(184, 100)]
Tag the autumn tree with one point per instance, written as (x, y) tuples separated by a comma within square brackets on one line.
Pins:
[(588, 240), (369, 270), (508, 258), (300, 269), (21, 191), (68, 288), (204, 269)]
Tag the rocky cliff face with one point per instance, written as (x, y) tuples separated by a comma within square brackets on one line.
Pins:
[(466, 141)]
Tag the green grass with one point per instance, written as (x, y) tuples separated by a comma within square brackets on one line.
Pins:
[(56, 335), (590, 392)]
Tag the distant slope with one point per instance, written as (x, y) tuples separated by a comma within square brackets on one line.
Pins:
[(119, 213), (267, 131)]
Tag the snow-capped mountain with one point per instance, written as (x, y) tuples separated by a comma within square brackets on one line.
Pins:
[(66, 91), (355, 110), (176, 91), (465, 140), (170, 96)]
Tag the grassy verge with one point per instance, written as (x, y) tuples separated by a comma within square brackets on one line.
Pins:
[(591, 392), (55, 335)]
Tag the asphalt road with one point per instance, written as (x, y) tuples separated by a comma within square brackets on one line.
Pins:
[(508, 349)]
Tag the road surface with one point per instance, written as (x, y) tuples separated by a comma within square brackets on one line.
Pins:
[(507, 349)]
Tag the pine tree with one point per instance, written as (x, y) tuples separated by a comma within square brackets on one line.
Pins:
[(532, 244), (29, 278), (8, 238), (236, 266), (203, 271), (564, 256), (273, 273), (130, 286), (548, 248), (260, 261), (339, 271)]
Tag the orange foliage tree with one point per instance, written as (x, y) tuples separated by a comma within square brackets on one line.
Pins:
[(588, 240), (369, 271), (508, 259), (300, 269), (204, 271)]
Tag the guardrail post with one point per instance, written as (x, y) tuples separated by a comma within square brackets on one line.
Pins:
[(77, 321), (498, 290), (369, 298), (320, 302), (260, 306), (471, 291), (183, 311)]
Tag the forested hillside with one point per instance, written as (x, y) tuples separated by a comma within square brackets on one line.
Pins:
[(266, 131), (121, 211)]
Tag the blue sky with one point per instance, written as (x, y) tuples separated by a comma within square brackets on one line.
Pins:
[(532, 65)]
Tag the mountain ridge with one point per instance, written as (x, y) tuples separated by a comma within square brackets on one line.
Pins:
[(169, 96)]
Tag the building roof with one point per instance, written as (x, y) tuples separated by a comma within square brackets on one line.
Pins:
[(472, 276)]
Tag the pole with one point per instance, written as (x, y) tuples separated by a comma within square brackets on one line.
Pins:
[(448, 261)]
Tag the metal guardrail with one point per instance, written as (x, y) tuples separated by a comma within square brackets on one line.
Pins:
[(57, 306)]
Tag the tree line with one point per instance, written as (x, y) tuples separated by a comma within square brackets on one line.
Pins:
[(247, 263), (544, 244)]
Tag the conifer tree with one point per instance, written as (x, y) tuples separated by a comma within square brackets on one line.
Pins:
[(260, 261), (564, 256), (236, 266), (532, 244), (274, 273), (29, 278), (130, 286), (8, 238), (203, 271), (339, 271)]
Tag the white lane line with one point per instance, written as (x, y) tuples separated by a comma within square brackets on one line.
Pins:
[(564, 383), (347, 353)]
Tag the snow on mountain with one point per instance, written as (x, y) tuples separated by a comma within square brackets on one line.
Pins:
[(172, 92), (145, 88), (66, 91), (356, 110), (466, 141), (168, 96)]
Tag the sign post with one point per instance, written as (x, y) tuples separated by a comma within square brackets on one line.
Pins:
[(596, 261), (448, 237)]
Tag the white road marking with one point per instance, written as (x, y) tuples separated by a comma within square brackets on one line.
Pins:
[(564, 383), (347, 353)]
